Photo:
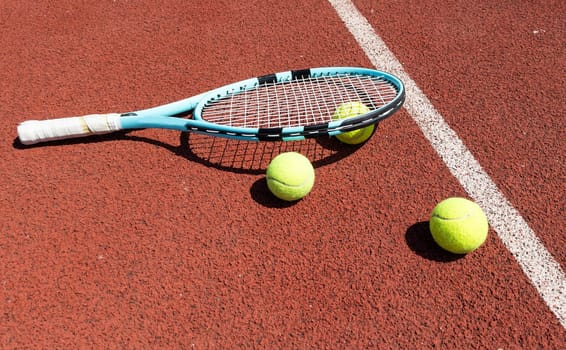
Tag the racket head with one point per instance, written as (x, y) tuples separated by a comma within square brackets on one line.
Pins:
[(299, 104)]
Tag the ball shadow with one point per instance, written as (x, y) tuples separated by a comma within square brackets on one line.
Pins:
[(261, 194), (419, 239)]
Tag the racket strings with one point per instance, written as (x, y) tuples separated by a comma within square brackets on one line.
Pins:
[(299, 102)]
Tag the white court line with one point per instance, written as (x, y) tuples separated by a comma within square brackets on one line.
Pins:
[(537, 263)]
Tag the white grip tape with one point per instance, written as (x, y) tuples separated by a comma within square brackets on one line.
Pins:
[(34, 131)]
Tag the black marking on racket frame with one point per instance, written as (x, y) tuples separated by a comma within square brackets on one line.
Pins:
[(269, 134), (267, 79), (315, 128), (311, 131), (301, 73)]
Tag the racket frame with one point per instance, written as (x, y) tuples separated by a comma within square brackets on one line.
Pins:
[(164, 116), (174, 115)]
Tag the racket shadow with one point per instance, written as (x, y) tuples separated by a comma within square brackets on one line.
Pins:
[(254, 157), (224, 154)]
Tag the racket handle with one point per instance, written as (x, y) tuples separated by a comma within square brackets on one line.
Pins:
[(35, 131)]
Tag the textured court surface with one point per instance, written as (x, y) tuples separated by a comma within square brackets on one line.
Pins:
[(152, 239)]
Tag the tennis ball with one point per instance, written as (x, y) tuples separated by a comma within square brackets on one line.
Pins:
[(290, 176), (349, 110), (458, 225)]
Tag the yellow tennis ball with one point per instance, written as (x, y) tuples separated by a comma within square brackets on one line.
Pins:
[(458, 225), (349, 110), (290, 176)]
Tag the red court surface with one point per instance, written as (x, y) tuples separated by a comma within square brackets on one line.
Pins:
[(156, 240)]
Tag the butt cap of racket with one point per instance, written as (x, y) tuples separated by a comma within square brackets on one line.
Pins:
[(35, 131)]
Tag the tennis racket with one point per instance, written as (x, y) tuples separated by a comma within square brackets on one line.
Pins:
[(286, 106)]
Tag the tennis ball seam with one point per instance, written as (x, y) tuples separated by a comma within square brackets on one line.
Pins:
[(286, 184), (468, 214)]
